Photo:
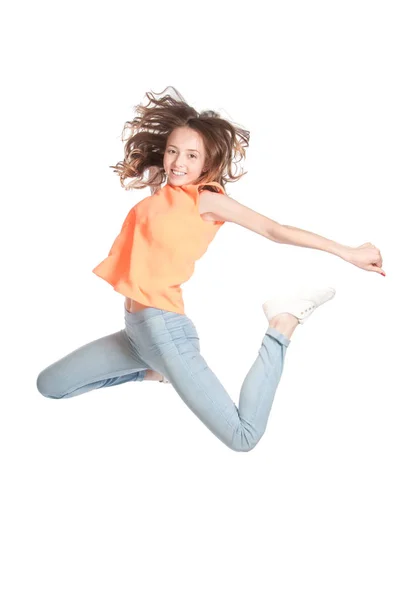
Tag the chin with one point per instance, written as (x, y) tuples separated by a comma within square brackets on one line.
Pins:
[(178, 181)]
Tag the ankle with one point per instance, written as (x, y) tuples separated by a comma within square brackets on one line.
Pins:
[(284, 323), (152, 376)]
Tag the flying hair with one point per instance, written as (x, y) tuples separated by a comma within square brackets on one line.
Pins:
[(146, 137)]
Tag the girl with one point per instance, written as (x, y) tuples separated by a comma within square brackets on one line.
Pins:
[(162, 236)]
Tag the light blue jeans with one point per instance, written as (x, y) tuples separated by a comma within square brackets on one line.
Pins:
[(168, 342)]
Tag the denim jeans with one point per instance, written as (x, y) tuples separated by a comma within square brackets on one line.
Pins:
[(168, 342)]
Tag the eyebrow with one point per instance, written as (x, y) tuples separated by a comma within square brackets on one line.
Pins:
[(188, 149)]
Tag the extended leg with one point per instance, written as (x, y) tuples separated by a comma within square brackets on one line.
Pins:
[(108, 361)]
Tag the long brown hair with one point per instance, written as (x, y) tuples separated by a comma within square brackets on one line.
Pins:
[(225, 142)]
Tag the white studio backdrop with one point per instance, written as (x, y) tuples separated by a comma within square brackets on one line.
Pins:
[(123, 493)]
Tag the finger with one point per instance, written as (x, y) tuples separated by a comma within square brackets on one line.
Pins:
[(378, 270)]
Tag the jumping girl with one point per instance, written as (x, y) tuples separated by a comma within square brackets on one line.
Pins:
[(193, 155)]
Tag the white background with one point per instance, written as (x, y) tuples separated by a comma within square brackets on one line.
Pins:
[(123, 493)]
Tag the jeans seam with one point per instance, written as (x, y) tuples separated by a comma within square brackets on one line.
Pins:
[(231, 427), (108, 376), (277, 365), (182, 358)]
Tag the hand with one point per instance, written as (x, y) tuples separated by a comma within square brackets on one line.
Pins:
[(366, 257)]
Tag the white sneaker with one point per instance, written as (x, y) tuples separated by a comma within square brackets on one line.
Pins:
[(300, 304), (163, 380)]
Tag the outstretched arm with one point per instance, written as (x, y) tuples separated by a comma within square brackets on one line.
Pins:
[(366, 257), (286, 234)]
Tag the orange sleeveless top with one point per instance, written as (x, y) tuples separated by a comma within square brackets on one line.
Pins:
[(159, 243)]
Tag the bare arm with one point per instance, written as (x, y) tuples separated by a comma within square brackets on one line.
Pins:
[(286, 234), (366, 256), (228, 209)]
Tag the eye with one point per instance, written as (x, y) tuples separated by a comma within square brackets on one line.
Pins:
[(194, 155), (170, 150)]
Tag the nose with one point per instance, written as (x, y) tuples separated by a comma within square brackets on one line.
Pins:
[(178, 162)]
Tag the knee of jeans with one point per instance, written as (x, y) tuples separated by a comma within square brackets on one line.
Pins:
[(43, 385), (244, 441)]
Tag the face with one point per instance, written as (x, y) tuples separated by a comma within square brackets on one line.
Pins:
[(184, 156)]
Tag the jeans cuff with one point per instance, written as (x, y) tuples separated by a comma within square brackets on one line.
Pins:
[(280, 337), (141, 375)]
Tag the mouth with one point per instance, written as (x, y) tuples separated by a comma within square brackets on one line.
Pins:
[(178, 173)]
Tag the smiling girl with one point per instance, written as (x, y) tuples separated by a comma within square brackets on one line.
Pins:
[(186, 158)]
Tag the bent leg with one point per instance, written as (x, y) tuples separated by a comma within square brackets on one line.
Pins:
[(108, 361), (240, 428)]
